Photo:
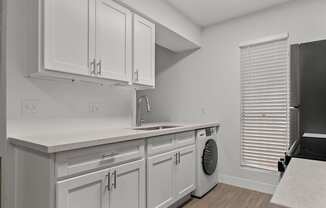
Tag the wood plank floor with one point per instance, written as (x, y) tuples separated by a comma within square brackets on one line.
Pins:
[(225, 196)]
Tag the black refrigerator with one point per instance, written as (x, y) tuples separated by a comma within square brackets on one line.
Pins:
[(308, 100), (307, 103), (295, 95), (308, 89)]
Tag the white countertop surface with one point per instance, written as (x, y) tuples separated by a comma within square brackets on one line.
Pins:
[(52, 142), (303, 185)]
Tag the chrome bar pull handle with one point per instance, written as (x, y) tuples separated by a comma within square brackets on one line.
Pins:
[(108, 185), (115, 179), (179, 156), (99, 66), (92, 66), (176, 158), (105, 156)]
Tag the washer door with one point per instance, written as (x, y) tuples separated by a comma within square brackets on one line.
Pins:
[(210, 156)]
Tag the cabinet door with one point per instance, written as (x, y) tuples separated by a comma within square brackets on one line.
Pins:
[(185, 171), (113, 40), (66, 36), (144, 52), (128, 186), (160, 180), (84, 192)]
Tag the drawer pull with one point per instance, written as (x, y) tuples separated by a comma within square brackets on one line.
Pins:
[(105, 156), (108, 186), (115, 179), (179, 157)]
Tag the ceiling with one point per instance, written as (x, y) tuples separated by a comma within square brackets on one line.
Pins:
[(208, 12)]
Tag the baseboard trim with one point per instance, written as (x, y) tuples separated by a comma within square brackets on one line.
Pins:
[(248, 184), (181, 202)]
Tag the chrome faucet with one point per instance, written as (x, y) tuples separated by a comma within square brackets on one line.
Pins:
[(140, 99)]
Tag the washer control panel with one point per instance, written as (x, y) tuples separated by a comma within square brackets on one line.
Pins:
[(210, 131)]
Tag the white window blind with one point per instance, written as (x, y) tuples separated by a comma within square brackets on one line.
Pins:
[(264, 102)]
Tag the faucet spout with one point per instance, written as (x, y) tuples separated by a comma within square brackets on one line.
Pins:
[(148, 104), (140, 99)]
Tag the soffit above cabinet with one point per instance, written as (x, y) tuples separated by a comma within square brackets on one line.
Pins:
[(173, 41), (173, 30)]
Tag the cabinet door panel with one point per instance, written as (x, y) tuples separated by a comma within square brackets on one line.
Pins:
[(185, 172), (84, 192), (66, 36), (160, 180), (113, 40), (129, 190), (144, 51)]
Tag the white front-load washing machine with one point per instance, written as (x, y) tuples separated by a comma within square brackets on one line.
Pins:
[(206, 161)]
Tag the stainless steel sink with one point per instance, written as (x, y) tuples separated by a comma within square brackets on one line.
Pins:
[(152, 128)]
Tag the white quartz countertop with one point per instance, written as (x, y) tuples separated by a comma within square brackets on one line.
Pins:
[(52, 142), (303, 185)]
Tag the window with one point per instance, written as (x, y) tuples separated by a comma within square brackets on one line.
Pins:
[(264, 102)]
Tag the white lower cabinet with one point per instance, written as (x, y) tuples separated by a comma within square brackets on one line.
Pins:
[(160, 180), (84, 191), (185, 172), (128, 186), (120, 175), (170, 177), (117, 187)]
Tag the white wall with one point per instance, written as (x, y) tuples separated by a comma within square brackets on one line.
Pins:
[(2, 99), (2, 81), (205, 85), (55, 99)]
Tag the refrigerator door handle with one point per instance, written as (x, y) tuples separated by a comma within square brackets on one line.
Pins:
[(295, 125), (295, 76)]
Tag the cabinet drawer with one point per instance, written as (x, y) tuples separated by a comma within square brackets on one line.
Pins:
[(84, 160), (184, 139), (160, 144)]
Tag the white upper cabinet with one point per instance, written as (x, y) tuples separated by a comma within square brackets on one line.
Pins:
[(144, 52), (113, 40), (66, 36), (97, 39)]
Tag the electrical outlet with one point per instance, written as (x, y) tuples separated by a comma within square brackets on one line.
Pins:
[(29, 107), (95, 107)]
